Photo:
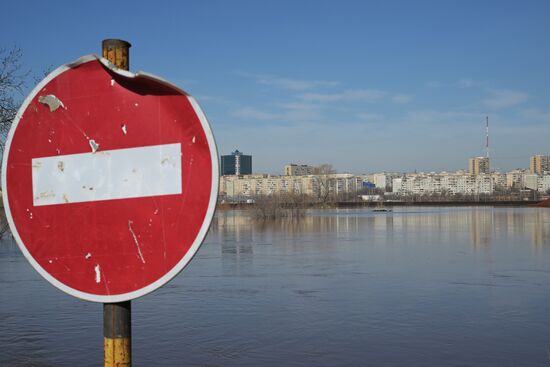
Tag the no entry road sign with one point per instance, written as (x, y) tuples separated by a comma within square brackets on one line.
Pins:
[(109, 180)]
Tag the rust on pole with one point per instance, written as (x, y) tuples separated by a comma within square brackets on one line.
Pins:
[(117, 317), (117, 51), (117, 334)]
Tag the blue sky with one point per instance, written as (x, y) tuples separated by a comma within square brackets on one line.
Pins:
[(364, 86)]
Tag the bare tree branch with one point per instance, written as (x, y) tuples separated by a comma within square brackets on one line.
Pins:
[(12, 84)]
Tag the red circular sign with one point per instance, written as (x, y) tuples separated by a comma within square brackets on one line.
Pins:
[(110, 180)]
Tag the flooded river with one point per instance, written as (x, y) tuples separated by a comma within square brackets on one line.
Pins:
[(416, 287)]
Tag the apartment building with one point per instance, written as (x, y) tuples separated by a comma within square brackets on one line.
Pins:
[(540, 183), (440, 183), (538, 164), (384, 180), (299, 170), (514, 179), (478, 165), (314, 185)]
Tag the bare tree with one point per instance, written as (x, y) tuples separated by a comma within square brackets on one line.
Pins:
[(324, 181), (284, 205), (12, 84)]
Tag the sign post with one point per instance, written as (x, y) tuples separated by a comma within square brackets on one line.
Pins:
[(117, 317), (110, 181)]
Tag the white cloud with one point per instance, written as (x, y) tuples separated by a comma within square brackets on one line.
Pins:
[(213, 99), (363, 95), (288, 83), (250, 113), (462, 83), (469, 83), (503, 98), (370, 117), (299, 112), (537, 116), (401, 98), (428, 117), (357, 95), (434, 84), (289, 112)]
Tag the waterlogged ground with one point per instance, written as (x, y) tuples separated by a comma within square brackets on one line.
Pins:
[(416, 287)]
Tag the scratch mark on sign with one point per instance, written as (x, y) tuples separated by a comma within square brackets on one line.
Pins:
[(45, 194), (112, 82), (93, 145), (97, 273), (193, 140), (61, 166), (123, 127), (136, 241), (80, 129), (51, 101), (88, 255)]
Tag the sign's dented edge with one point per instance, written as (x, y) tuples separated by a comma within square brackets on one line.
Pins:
[(211, 205)]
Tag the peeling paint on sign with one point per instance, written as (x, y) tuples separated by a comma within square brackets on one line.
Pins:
[(51, 101), (94, 145), (97, 270)]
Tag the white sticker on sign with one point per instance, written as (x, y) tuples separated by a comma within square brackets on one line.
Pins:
[(107, 175)]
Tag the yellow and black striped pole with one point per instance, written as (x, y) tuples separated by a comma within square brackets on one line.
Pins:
[(117, 317), (117, 334)]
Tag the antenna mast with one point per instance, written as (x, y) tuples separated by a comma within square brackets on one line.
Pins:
[(487, 136)]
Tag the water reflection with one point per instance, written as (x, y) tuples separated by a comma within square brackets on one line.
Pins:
[(481, 225), (541, 228), (419, 286), (484, 225)]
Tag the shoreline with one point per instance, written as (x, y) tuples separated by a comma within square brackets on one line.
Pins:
[(506, 203)]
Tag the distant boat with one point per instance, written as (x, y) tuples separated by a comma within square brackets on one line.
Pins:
[(381, 209)]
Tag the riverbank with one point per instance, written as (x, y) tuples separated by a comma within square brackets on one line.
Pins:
[(364, 204)]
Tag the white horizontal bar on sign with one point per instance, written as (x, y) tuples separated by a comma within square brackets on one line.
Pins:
[(107, 175)]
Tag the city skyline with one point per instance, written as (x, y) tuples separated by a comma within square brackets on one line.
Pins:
[(363, 86), (472, 166)]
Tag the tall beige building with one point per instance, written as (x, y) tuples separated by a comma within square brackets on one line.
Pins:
[(299, 170), (478, 166), (538, 164)]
